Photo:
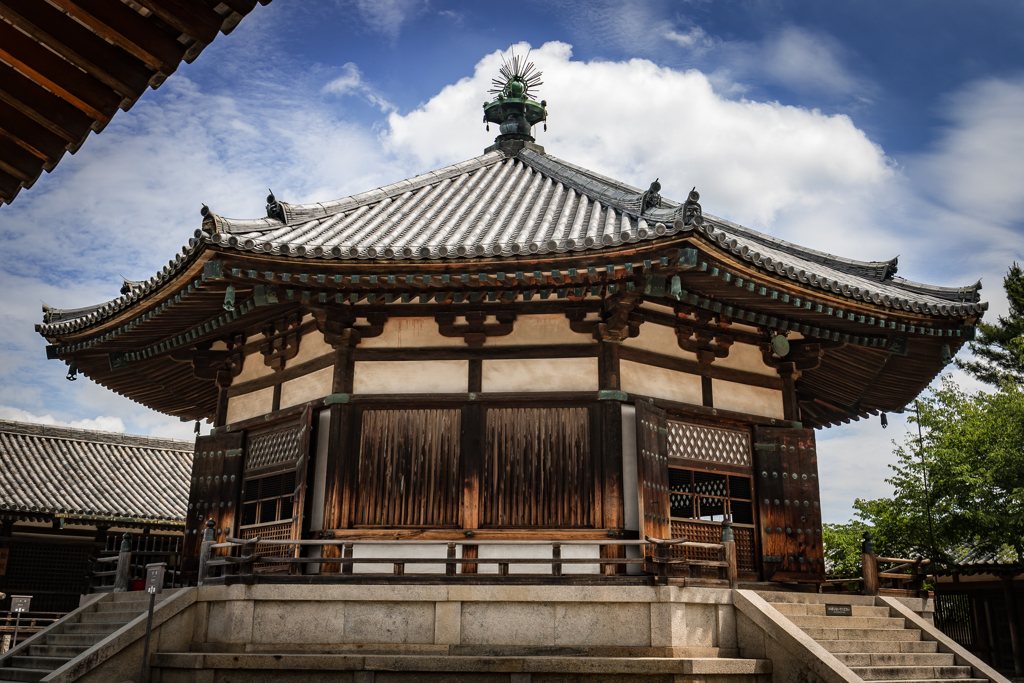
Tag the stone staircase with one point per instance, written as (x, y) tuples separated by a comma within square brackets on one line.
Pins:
[(874, 644), (75, 637)]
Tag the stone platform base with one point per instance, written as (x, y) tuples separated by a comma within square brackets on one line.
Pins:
[(323, 668)]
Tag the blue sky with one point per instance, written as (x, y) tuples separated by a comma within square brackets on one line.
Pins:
[(864, 129)]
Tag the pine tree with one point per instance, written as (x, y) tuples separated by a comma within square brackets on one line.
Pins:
[(999, 347)]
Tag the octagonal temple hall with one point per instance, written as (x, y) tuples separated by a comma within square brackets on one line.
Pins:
[(512, 348)]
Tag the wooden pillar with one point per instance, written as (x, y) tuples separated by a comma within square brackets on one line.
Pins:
[(870, 565), (339, 484), (609, 416), (790, 406), (472, 449), (1013, 613)]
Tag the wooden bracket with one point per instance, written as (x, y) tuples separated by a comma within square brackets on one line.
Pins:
[(338, 325), (619, 319), (222, 366), (281, 341), (476, 330), (702, 337)]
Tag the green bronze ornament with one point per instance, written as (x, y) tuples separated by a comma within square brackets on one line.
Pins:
[(514, 109)]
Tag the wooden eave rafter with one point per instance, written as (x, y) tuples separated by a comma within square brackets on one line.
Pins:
[(853, 380), (66, 67)]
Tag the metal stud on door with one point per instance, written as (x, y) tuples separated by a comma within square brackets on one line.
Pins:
[(786, 481)]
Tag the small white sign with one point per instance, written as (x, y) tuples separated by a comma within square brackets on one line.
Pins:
[(20, 603), (155, 577)]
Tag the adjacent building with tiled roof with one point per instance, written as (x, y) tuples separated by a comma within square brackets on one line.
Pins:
[(68, 495)]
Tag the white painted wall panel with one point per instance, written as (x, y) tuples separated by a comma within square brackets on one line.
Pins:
[(311, 346), (747, 399), (540, 374), (409, 333), (307, 388), (745, 357), (540, 330), (411, 377), (252, 368), (250, 405), (659, 339), (637, 378)]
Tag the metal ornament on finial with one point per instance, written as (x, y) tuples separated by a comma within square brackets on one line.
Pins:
[(515, 108)]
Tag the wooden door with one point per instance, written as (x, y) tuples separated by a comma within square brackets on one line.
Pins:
[(301, 468), (652, 471), (786, 480), (216, 471)]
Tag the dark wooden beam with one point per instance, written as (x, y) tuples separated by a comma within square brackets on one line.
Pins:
[(42, 106), (188, 16), (19, 162), (108, 63), (30, 135), (56, 74), (9, 186), (125, 27)]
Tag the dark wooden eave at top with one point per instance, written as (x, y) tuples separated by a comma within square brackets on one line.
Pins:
[(67, 66)]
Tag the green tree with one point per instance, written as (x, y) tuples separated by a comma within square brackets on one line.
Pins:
[(999, 348), (961, 483), (842, 543)]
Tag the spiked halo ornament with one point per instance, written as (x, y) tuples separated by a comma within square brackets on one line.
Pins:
[(514, 107)]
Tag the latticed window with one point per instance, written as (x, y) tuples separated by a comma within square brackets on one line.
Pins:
[(710, 496), (709, 444), (268, 499)]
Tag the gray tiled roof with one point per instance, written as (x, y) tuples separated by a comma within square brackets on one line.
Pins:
[(60, 470), (527, 204)]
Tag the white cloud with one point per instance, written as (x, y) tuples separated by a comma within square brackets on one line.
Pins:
[(351, 83), (694, 39), (387, 16), (102, 423)]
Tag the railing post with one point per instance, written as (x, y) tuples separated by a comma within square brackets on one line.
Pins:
[(870, 567), (556, 554), (248, 557), (205, 551), (124, 562), (346, 568), (729, 550), (449, 568)]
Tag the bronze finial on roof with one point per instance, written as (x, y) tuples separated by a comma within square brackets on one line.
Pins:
[(514, 108)]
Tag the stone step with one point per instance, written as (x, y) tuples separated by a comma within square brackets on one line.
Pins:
[(75, 639), (45, 663), (861, 634), (129, 605), (936, 680), (896, 659), (267, 666), (817, 598), (873, 646), (94, 628), (887, 623), (11, 673), (818, 610), (910, 673), (57, 650), (141, 596), (122, 617)]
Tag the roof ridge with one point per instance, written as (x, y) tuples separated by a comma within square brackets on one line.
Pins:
[(94, 436)]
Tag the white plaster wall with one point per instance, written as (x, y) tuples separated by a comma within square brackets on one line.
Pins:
[(637, 378), (747, 399), (530, 552), (250, 405), (540, 374), (630, 493), (252, 368), (659, 339), (307, 388), (745, 357), (427, 551), (540, 330), (311, 346), (411, 377), (410, 333)]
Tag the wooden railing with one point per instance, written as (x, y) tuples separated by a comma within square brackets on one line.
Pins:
[(908, 576), (664, 563), (28, 624), (128, 566)]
